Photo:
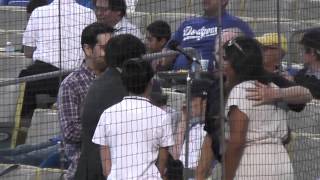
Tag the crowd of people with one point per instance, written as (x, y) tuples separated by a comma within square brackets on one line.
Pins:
[(114, 117)]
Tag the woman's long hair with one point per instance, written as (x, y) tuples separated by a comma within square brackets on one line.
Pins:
[(245, 56)]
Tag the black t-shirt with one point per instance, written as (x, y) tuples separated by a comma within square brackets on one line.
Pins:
[(309, 81)]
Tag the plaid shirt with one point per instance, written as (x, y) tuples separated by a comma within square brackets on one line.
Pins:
[(72, 92)]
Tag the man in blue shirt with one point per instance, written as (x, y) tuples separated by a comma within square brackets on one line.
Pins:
[(200, 32)]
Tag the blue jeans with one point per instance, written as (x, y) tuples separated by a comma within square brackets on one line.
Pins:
[(29, 154)]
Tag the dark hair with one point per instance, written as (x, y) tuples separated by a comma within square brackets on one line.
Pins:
[(33, 4), (245, 57), (136, 75), (160, 29), (311, 39), (90, 33), (121, 48), (118, 5), (157, 97)]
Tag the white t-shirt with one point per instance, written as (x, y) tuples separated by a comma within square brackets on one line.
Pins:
[(134, 130), (196, 137), (42, 32), (267, 123)]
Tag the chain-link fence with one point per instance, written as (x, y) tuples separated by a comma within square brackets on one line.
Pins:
[(43, 133)]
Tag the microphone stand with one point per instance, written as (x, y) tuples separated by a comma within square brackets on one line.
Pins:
[(193, 73)]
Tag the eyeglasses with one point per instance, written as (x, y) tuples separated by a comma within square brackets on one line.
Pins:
[(233, 42)]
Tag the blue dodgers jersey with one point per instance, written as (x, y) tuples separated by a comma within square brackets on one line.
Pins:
[(200, 33)]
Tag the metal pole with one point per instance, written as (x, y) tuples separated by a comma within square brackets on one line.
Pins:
[(60, 79), (153, 56), (222, 141), (279, 30), (34, 77), (60, 42), (189, 109), (157, 56)]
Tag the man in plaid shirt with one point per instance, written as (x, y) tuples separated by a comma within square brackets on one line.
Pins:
[(74, 89)]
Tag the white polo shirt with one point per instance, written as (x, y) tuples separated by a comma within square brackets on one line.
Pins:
[(42, 32), (134, 130)]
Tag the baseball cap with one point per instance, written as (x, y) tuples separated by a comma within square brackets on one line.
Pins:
[(271, 39), (311, 38)]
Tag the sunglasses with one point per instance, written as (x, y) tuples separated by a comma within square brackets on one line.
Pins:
[(233, 42)]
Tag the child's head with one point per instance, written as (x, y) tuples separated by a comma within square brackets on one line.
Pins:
[(136, 76)]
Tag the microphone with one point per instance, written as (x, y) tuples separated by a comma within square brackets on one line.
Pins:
[(174, 45)]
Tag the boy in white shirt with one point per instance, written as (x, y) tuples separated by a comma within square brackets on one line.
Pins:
[(134, 132)]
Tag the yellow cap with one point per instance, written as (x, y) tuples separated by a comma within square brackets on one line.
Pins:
[(271, 39)]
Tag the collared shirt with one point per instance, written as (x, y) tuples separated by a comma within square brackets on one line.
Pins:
[(125, 27), (71, 94), (42, 33), (134, 130)]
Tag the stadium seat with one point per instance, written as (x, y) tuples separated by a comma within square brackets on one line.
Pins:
[(13, 36), (9, 121), (8, 103), (307, 10), (44, 125), (289, 9), (10, 66), (6, 129), (13, 18), (164, 6), (260, 8)]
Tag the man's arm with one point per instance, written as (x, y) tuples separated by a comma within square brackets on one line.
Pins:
[(266, 94), (69, 116), (205, 159), (28, 51), (105, 160), (163, 160)]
